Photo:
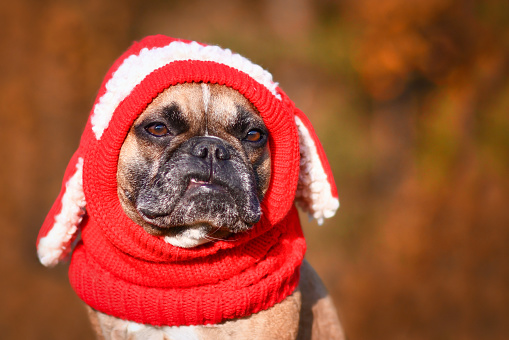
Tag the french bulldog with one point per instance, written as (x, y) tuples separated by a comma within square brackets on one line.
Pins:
[(194, 169)]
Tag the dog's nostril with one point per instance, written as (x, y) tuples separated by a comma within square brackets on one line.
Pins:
[(222, 153), (201, 151)]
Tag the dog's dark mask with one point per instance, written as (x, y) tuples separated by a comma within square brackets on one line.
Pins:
[(196, 159)]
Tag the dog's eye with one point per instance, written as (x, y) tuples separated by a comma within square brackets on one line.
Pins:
[(157, 129), (254, 136)]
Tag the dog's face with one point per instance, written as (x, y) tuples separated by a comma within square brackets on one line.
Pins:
[(195, 165)]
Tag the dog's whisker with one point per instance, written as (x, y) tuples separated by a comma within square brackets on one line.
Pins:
[(211, 238), (215, 231)]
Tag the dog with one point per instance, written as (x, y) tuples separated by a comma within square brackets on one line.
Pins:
[(193, 169), (179, 205)]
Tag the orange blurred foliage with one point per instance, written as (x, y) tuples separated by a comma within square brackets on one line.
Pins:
[(408, 97)]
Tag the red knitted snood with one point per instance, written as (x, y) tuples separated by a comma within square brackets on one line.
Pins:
[(118, 268)]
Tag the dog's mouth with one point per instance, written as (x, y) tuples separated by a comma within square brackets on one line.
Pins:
[(195, 184)]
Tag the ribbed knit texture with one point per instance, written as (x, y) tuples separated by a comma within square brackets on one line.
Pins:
[(121, 270)]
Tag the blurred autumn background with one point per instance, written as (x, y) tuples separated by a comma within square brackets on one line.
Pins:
[(409, 97)]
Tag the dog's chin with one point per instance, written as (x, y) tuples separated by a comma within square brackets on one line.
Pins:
[(189, 236)]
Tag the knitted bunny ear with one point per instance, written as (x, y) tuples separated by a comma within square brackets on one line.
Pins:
[(316, 191), (60, 227)]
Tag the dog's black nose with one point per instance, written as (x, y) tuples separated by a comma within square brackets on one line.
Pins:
[(214, 147)]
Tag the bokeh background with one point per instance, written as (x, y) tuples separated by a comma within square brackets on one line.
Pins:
[(409, 97)]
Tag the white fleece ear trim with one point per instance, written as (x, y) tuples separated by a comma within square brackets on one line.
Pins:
[(57, 243), (314, 194), (136, 67)]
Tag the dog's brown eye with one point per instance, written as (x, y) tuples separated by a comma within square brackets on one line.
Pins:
[(157, 129), (254, 136)]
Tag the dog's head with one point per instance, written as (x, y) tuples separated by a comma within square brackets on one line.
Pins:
[(187, 143), (195, 165)]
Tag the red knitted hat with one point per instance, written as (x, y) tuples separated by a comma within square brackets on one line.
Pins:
[(123, 271)]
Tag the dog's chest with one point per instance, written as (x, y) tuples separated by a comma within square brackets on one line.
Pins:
[(278, 322)]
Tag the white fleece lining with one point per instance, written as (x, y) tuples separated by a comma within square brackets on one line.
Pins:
[(136, 67), (57, 243), (314, 193)]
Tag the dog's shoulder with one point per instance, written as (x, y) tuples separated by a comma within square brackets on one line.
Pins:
[(318, 318)]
